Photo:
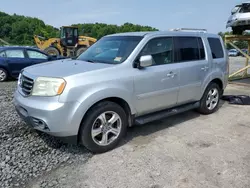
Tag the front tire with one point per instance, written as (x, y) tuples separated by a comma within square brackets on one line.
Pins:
[(3, 75), (52, 51), (209, 102), (104, 127)]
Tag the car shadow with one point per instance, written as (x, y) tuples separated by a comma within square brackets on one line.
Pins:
[(132, 133), (56, 143), (153, 127)]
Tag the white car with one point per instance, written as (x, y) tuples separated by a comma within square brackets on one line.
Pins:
[(239, 20), (233, 52)]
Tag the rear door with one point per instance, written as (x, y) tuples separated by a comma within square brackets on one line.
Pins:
[(16, 60), (36, 57), (194, 67), (219, 57)]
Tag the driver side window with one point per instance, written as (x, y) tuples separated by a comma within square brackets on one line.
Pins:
[(161, 50)]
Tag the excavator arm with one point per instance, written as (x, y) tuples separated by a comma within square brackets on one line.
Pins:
[(43, 43)]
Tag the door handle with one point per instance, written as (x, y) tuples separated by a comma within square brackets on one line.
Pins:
[(171, 74), (204, 68)]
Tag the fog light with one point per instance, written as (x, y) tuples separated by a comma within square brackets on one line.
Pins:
[(39, 124)]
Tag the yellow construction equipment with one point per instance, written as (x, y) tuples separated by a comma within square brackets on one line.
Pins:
[(69, 44)]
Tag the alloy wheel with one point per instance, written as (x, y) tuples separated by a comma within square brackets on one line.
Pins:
[(106, 128), (212, 99), (2, 75)]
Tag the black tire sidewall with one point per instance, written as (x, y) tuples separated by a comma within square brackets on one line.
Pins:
[(86, 126), (203, 107), (80, 51), (52, 48), (6, 77)]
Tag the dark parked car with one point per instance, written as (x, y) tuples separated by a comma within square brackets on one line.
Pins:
[(14, 59)]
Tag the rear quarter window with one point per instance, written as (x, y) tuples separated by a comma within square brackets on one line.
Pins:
[(216, 47)]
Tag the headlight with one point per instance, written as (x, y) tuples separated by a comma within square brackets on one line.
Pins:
[(45, 86), (19, 79)]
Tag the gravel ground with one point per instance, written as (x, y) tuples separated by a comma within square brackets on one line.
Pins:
[(25, 153)]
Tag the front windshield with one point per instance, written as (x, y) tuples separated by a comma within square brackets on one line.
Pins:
[(235, 9), (111, 49), (245, 8)]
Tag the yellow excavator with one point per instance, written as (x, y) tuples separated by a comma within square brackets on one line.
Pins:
[(69, 44)]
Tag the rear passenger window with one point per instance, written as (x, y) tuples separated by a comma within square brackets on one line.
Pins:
[(187, 48), (216, 48), (15, 53)]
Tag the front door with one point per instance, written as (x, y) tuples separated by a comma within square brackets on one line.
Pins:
[(156, 87), (193, 67), (16, 61)]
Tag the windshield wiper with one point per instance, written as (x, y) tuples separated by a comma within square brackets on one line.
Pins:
[(89, 60)]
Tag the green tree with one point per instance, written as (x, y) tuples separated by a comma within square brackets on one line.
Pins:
[(19, 30)]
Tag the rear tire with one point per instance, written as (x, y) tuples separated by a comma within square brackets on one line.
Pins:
[(52, 51), (98, 132), (80, 51), (209, 102), (3, 75)]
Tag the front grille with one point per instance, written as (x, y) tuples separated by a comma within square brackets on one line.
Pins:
[(26, 85)]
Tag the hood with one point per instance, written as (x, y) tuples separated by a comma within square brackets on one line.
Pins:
[(243, 15), (64, 68)]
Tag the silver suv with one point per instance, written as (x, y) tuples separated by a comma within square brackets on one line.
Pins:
[(239, 20), (123, 80)]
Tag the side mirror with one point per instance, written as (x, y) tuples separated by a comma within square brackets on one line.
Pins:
[(145, 61)]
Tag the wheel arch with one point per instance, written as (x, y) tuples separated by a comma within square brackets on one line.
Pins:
[(214, 80), (218, 81), (118, 100), (6, 69)]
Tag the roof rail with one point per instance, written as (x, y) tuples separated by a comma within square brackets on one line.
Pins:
[(189, 29)]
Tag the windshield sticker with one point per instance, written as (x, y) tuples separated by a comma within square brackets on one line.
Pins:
[(118, 59)]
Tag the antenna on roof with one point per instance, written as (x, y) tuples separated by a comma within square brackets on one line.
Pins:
[(189, 29)]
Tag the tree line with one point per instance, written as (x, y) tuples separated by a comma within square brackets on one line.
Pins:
[(19, 30)]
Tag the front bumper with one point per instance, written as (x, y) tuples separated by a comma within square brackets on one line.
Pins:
[(48, 115), (239, 22)]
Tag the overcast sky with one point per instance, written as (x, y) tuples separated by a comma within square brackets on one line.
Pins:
[(162, 14)]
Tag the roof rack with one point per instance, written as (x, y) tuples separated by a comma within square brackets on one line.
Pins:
[(189, 29)]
